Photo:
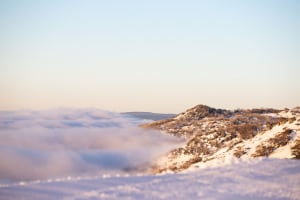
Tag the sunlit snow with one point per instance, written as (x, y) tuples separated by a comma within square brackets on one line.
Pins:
[(269, 179)]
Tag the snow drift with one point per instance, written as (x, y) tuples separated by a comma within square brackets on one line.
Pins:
[(261, 179)]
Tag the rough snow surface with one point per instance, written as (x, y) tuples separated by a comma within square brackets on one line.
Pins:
[(269, 179), (226, 156)]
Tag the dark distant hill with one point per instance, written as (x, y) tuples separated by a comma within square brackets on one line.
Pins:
[(149, 115)]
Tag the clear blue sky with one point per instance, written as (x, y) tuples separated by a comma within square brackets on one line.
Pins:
[(161, 56)]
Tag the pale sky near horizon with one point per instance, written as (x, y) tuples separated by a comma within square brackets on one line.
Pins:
[(159, 56)]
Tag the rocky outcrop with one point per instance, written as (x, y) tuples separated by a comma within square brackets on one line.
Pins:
[(217, 133)]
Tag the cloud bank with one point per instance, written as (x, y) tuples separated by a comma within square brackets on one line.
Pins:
[(72, 142)]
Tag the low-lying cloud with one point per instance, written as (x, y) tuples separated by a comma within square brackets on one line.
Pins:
[(69, 142)]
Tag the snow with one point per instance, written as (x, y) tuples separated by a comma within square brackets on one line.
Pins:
[(225, 156), (254, 179), (287, 114), (285, 151), (282, 152), (258, 139)]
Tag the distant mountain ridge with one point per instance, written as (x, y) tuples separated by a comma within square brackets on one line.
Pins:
[(149, 115), (218, 135)]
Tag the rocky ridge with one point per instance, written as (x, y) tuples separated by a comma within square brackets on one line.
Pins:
[(218, 136)]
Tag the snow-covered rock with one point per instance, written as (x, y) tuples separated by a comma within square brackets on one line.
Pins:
[(218, 136)]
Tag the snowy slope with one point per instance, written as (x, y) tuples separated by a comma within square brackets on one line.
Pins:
[(268, 179), (216, 137), (249, 147)]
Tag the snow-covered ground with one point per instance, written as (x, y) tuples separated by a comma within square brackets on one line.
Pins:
[(216, 140), (226, 155), (269, 179)]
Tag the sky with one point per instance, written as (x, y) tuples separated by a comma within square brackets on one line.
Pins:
[(159, 56)]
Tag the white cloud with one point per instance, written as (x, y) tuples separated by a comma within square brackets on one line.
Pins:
[(62, 142)]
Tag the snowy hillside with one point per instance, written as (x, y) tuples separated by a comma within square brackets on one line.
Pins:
[(268, 179), (74, 154), (216, 136)]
